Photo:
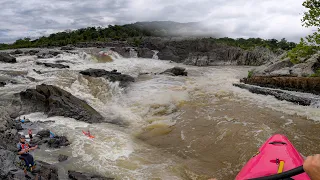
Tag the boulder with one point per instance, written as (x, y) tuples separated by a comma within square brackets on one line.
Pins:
[(57, 102), (73, 175), (176, 71), (123, 51), (2, 84), (36, 71), (112, 76), (43, 133), (44, 56), (58, 141), (32, 52), (54, 53), (47, 171), (62, 158), (145, 53), (18, 51), (52, 65), (5, 57)]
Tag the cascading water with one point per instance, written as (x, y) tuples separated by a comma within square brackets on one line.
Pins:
[(155, 55), (192, 127)]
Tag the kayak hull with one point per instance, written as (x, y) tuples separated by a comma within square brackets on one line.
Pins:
[(266, 162)]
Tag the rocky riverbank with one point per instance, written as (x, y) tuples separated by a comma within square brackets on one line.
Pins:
[(282, 73), (197, 52)]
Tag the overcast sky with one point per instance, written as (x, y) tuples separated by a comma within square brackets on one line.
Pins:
[(232, 18)]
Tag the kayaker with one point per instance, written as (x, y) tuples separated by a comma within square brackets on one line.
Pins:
[(23, 151), (312, 167)]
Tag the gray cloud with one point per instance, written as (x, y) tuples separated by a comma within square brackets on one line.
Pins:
[(233, 18)]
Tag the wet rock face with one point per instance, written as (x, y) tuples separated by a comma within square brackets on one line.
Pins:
[(7, 167), (145, 53), (112, 76), (303, 84), (58, 102), (123, 51), (73, 175), (6, 58), (176, 71), (206, 52), (52, 65), (281, 95)]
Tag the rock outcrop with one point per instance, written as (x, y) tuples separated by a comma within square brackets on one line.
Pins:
[(176, 71), (43, 137), (112, 76), (145, 53), (58, 102), (303, 84), (281, 95), (73, 175), (48, 54), (281, 73), (123, 51), (52, 65), (206, 52), (5, 57)]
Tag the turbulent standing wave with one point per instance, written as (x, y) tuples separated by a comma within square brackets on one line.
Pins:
[(192, 127)]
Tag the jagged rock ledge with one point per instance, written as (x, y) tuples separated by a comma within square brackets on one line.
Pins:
[(112, 76), (55, 101), (279, 94), (302, 84)]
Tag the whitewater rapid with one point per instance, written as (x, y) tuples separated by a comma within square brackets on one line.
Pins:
[(153, 107)]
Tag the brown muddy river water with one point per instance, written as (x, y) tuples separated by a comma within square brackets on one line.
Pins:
[(194, 127)]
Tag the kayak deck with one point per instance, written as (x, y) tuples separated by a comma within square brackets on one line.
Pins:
[(276, 154)]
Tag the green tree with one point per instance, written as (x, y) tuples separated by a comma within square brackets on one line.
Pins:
[(311, 18)]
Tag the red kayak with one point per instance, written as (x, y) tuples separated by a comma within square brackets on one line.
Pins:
[(276, 157), (87, 134)]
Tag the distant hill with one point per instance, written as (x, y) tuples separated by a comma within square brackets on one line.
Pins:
[(135, 34)]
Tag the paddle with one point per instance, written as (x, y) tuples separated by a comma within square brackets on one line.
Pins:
[(284, 175)]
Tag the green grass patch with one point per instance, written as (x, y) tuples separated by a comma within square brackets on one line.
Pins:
[(250, 74)]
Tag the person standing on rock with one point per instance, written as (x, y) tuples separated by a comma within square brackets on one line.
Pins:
[(30, 134), (23, 151)]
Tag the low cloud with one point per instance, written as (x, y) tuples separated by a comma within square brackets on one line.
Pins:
[(232, 18)]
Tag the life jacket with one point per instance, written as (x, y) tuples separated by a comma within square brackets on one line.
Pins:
[(24, 146)]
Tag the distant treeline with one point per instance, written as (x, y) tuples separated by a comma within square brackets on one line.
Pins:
[(133, 34)]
